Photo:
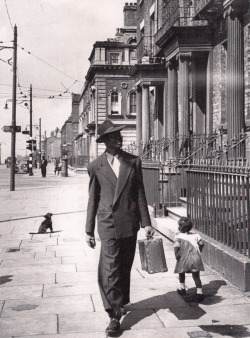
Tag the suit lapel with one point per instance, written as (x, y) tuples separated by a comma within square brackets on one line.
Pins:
[(106, 170), (125, 169)]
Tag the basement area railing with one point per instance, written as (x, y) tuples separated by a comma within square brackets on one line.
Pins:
[(170, 159), (179, 148), (218, 201)]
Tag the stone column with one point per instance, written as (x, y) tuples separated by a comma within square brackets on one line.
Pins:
[(145, 112), (172, 108), (184, 114), (138, 118), (103, 55), (126, 56), (158, 121), (209, 103), (97, 54), (235, 77), (165, 108)]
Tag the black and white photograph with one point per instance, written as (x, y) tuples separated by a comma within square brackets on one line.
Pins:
[(124, 168)]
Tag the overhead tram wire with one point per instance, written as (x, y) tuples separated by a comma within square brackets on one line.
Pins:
[(60, 71), (41, 89), (8, 14), (49, 90)]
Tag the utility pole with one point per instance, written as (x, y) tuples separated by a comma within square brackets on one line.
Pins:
[(30, 155), (40, 142), (13, 132), (45, 145)]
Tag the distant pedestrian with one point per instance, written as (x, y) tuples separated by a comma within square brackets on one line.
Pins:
[(187, 247), (44, 166), (56, 166)]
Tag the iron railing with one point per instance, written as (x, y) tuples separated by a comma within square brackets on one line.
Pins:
[(180, 148), (215, 182), (187, 148), (218, 202), (211, 5), (174, 156), (199, 5), (176, 15), (151, 177)]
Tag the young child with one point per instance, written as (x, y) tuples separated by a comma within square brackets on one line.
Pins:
[(187, 249)]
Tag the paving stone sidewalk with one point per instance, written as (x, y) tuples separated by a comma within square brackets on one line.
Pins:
[(48, 283)]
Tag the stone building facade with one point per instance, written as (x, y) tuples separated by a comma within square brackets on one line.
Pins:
[(195, 54), (53, 147), (70, 130), (109, 91)]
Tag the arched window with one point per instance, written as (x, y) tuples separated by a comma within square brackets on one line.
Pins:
[(132, 41), (132, 103), (114, 103)]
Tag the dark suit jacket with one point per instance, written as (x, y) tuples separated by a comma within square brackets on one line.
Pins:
[(119, 204)]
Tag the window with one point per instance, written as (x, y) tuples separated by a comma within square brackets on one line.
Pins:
[(114, 103), (132, 41), (114, 58), (132, 103)]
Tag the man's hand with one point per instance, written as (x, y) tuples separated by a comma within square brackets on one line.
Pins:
[(90, 241), (149, 231)]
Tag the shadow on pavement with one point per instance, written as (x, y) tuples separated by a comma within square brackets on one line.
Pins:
[(39, 233), (5, 279), (184, 308), (227, 330)]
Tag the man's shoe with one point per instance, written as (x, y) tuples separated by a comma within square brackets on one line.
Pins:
[(182, 292), (123, 311), (114, 326), (200, 297)]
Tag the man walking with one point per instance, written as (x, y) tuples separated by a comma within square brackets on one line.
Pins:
[(117, 198), (43, 166)]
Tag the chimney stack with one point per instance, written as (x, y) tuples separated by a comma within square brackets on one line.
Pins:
[(129, 11)]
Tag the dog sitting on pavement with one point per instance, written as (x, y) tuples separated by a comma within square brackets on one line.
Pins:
[(46, 224)]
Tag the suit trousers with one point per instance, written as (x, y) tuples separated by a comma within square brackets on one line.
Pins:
[(116, 259)]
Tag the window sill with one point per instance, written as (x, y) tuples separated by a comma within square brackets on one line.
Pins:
[(116, 117), (131, 117)]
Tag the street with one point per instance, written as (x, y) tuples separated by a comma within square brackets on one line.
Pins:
[(48, 283), (25, 181)]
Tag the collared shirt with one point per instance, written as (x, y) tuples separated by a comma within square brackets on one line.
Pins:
[(114, 163)]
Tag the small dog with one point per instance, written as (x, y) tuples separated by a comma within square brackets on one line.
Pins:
[(46, 224)]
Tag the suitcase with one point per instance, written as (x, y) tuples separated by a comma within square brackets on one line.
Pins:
[(152, 255)]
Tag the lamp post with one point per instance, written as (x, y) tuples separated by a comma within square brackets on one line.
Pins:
[(40, 142), (13, 127), (30, 155), (13, 133)]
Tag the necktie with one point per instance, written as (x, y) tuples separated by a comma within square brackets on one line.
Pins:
[(115, 165)]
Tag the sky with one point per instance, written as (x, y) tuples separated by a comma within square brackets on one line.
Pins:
[(55, 39)]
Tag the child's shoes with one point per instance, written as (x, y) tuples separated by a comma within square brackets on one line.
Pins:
[(182, 292)]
